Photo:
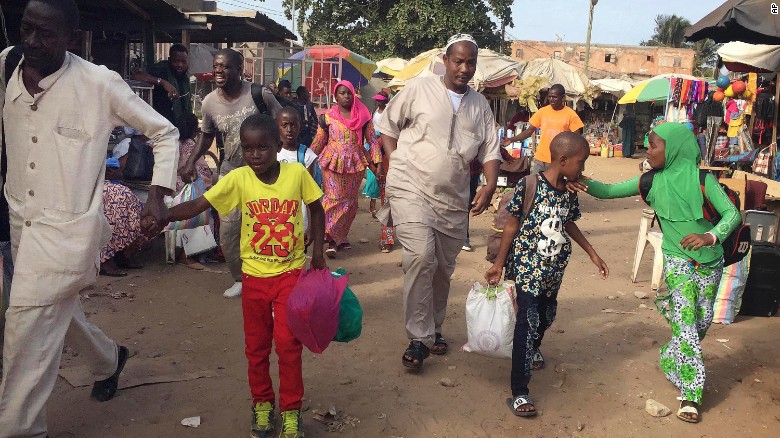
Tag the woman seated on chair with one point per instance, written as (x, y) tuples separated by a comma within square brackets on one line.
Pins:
[(123, 212), (187, 124)]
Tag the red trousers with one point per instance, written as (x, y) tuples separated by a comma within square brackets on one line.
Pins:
[(264, 301)]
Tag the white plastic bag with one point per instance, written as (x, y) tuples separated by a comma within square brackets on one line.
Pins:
[(491, 313), (197, 240)]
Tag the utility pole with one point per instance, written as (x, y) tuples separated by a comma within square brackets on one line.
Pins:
[(292, 44), (587, 38), (503, 35)]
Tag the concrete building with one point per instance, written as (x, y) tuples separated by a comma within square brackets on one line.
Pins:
[(610, 60)]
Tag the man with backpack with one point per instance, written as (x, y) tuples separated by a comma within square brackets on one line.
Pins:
[(223, 111)]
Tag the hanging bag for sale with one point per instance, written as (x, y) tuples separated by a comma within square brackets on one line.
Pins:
[(189, 192), (490, 320)]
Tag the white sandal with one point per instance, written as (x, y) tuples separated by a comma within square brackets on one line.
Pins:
[(687, 410)]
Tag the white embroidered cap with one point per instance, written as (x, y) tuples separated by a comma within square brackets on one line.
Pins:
[(458, 37)]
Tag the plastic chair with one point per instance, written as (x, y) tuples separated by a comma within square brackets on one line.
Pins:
[(170, 247), (654, 238)]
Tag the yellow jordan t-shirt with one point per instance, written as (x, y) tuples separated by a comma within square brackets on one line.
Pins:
[(271, 216), (552, 123)]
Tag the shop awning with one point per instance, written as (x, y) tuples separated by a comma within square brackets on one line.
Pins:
[(123, 16), (759, 56), (390, 66), (557, 72), (750, 21), (616, 87), (239, 26), (127, 16)]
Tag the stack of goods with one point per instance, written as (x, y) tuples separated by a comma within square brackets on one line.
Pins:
[(519, 148), (602, 135)]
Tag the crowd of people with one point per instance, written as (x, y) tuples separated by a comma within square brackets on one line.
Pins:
[(287, 186)]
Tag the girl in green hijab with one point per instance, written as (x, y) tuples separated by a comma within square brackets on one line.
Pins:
[(693, 256)]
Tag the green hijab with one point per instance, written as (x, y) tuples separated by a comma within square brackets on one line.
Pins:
[(676, 194)]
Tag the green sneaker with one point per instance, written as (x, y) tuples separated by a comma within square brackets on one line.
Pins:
[(262, 420), (291, 424)]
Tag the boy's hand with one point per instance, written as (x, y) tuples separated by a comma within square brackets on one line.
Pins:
[(576, 186), (306, 239), (493, 275), (318, 262), (603, 269), (696, 241)]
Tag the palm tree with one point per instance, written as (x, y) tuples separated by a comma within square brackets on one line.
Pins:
[(706, 56), (669, 32)]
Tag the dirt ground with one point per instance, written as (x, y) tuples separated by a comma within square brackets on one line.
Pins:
[(601, 369)]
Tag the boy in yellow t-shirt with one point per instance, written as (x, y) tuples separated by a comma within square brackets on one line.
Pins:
[(272, 197), (551, 120)]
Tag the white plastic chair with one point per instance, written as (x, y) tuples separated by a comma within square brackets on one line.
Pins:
[(654, 238), (170, 247)]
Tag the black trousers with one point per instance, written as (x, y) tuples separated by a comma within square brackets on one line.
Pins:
[(535, 314)]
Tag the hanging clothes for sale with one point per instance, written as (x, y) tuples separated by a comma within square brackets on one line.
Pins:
[(708, 108), (765, 106)]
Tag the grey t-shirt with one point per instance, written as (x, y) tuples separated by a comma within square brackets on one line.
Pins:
[(226, 117)]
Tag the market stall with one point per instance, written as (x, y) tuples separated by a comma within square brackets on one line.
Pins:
[(751, 289), (319, 67)]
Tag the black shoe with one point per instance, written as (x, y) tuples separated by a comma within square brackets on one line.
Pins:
[(105, 390)]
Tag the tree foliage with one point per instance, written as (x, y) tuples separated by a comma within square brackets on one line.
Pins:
[(404, 28), (670, 32)]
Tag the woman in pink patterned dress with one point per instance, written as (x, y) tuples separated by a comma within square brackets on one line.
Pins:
[(122, 209), (343, 160)]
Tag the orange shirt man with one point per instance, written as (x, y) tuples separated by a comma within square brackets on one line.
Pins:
[(552, 120)]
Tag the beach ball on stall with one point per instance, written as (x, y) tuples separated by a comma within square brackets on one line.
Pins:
[(729, 91), (723, 81), (738, 87), (718, 96)]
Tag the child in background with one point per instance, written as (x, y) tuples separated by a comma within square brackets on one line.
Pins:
[(372, 187), (269, 194), (693, 256), (387, 236), (541, 249), (289, 120)]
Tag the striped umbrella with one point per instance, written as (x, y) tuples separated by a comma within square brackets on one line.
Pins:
[(653, 89)]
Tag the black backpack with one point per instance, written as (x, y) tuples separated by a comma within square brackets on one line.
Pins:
[(737, 245), (140, 162), (257, 96)]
